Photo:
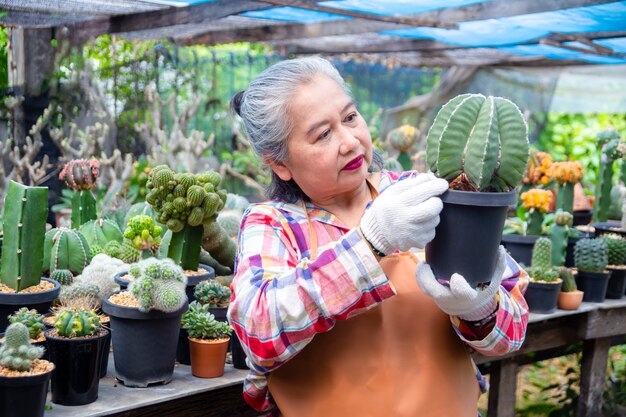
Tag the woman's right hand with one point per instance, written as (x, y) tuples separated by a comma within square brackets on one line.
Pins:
[(405, 215)]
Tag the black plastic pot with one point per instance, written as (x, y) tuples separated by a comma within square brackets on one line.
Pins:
[(104, 355), (617, 283), (582, 217), (40, 301), (238, 355), (603, 228), (193, 280), (76, 379), (593, 284), (182, 348), (24, 396), (520, 247), (468, 235), (144, 344), (542, 296), (123, 283)]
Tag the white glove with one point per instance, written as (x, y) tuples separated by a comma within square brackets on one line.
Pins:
[(459, 299)]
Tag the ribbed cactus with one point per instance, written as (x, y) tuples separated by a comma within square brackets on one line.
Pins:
[(143, 233), (478, 143), (612, 149), (24, 219), (17, 353), (124, 251), (184, 202), (139, 208), (541, 263), (100, 232), (62, 276), (559, 234), (617, 248), (80, 175), (160, 285), (32, 319), (591, 255), (212, 293), (65, 249), (77, 323), (569, 283)]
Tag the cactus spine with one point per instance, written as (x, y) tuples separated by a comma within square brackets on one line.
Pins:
[(617, 248), (76, 323), (612, 149), (80, 175), (25, 213), (29, 318), (65, 249), (478, 143), (17, 352), (569, 283), (591, 255), (559, 235), (541, 263), (159, 284)]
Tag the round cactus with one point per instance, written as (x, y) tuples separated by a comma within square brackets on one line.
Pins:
[(82, 290), (76, 323), (62, 276), (230, 220), (479, 143), (80, 174), (616, 248), (17, 353), (65, 249), (591, 255), (32, 319), (158, 284), (212, 293), (143, 233), (100, 232)]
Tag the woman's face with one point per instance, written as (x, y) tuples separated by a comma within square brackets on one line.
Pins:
[(330, 147)]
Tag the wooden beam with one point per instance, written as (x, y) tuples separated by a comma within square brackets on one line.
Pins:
[(592, 376), (596, 51), (501, 401)]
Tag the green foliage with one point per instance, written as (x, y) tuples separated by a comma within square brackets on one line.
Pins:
[(29, 318), (17, 353), (212, 293), (135, 187), (77, 323), (4, 66), (591, 255), (201, 324), (159, 284), (617, 248)]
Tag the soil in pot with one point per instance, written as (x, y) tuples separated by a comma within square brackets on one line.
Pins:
[(208, 357), (603, 228), (542, 296), (39, 297), (593, 284), (617, 282), (570, 300), (24, 393)]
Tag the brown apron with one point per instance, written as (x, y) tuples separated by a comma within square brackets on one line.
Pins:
[(401, 358)]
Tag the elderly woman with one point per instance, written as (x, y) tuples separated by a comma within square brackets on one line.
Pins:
[(334, 311)]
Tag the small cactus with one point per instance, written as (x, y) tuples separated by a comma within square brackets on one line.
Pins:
[(541, 264), (80, 175), (17, 353), (65, 249), (617, 248), (76, 323), (96, 281), (201, 324), (159, 284), (591, 255), (612, 150), (569, 283), (124, 251), (559, 234), (32, 319), (402, 139), (62, 276), (212, 293), (143, 233)]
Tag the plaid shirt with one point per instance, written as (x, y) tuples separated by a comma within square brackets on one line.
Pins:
[(281, 298)]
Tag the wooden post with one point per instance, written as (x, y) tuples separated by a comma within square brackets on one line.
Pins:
[(503, 383), (592, 376)]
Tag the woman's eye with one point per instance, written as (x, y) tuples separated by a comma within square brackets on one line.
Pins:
[(351, 117), (324, 134)]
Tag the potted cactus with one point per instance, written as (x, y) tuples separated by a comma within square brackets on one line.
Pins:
[(480, 145), (145, 323), (545, 283), (612, 149), (208, 340), (570, 297), (65, 255), (76, 344), (99, 233), (34, 322), (80, 176), (591, 258), (24, 376), (21, 283), (616, 256)]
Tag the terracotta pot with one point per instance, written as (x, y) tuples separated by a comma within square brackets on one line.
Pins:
[(208, 357), (570, 300)]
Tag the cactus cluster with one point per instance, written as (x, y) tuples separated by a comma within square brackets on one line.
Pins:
[(591, 255), (100, 232), (66, 250), (541, 264), (96, 281), (32, 319), (159, 284), (569, 283), (212, 293), (616, 248), (17, 353), (143, 233), (559, 234), (478, 143), (24, 227), (201, 324), (124, 251), (612, 149), (77, 323)]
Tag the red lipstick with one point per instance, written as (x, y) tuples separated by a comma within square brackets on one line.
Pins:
[(354, 164)]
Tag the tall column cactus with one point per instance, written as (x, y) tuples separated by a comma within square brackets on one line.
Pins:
[(80, 175), (612, 149), (478, 143), (559, 234), (541, 264), (25, 213)]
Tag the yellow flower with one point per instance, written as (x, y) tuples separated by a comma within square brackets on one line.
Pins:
[(538, 166), (566, 172), (537, 199)]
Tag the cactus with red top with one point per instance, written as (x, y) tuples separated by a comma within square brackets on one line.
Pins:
[(80, 175)]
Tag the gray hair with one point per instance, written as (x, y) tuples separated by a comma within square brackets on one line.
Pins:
[(264, 106)]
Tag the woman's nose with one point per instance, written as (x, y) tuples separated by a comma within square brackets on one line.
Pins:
[(348, 141)]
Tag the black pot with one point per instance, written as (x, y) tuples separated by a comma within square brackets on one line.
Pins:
[(123, 283), (144, 344), (193, 280), (593, 284), (75, 380), (604, 228), (542, 296), (104, 355), (23, 396), (237, 352), (582, 217), (40, 301), (617, 283), (468, 235), (182, 349), (520, 247)]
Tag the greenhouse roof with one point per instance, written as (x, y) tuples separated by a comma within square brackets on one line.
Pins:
[(427, 32)]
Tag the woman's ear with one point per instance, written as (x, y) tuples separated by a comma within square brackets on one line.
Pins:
[(280, 169)]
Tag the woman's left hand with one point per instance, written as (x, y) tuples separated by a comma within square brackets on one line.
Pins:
[(459, 298)]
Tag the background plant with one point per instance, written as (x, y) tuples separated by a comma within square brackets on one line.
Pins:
[(201, 324)]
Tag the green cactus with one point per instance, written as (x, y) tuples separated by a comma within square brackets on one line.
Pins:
[(591, 255), (565, 197), (80, 175), (124, 251), (65, 249), (559, 235), (81, 291), (612, 150), (236, 202), (77, 323), (479, 142), (17, 353), (100, 232), (229, 221), (62, 276), (569, 283), (541, 263), (617, 248), (139, 208), (534, 222), (24, 222), (143, 233), (212, 293), (160, 284), (219, 245), (32, 319), (201, 324), (95, 250)]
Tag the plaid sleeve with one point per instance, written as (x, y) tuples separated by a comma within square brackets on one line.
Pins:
[(511, 319), (281, 300)]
